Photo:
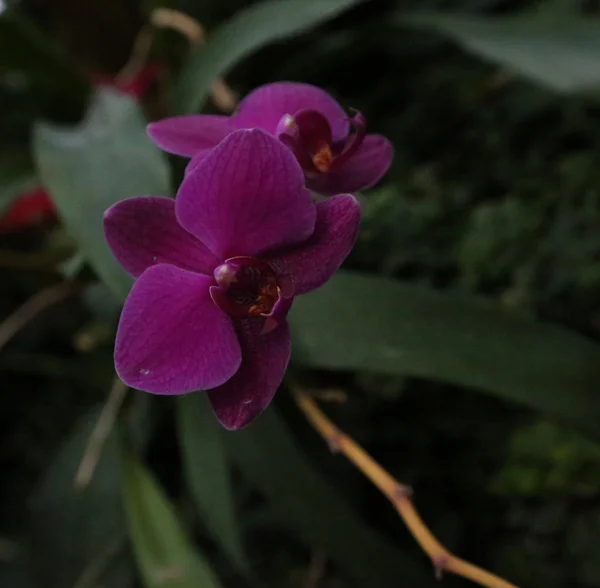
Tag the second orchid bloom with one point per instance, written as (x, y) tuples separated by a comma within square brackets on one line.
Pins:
[(332, 148)]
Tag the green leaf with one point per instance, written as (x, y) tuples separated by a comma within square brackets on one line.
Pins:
[(360, 322), (17, 175), (165, 556), (90, 167), (73, 532), (207, 473), (269, 457), (246, 32), (561, 53)]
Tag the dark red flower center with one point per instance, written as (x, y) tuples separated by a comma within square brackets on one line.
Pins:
[(248, 287), (308, 134)]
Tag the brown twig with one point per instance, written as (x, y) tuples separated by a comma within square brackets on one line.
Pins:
[(8, 550), (35, 261), (93, 572), (400, 497), (167, 18), (316, 569), (104, 425), (34, 306), (138, 56)]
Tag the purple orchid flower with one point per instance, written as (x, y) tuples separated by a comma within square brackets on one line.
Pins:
[(217, 270), (333, 150)]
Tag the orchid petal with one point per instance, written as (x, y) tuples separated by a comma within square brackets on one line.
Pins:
[(265, 358), (172, 339), (187, 135), (143, 232), (265, 106), (311, 264), (246, 196), (363, 170)]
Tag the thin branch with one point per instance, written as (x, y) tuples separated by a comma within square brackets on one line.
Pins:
[(316, 569), (222, 95), (166, 18), (32, 261), (8, 550), (33, 307), (93, 572), (399, 495), (138, 56), (97, 440), (192, 30)]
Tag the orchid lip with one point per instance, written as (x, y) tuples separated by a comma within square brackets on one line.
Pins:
[(308, 134), (247, 287)]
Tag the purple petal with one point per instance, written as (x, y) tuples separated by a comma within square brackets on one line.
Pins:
[(311, 264), (246, 196), (187, 135), (249, 392), (143, 231), (172, 339), (195, 161), (363, 170), (264, 107)]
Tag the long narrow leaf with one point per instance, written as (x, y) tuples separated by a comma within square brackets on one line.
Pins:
[(246, 32), (561, 53), (71, 531), (360, 322), (207, 473), (165, 556)]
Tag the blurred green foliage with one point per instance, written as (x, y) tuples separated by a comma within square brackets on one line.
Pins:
[(494, 193)]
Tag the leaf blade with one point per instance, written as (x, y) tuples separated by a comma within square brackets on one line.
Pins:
[(206, 469), (164, 555), (90, 167), (90, 520), (362, 322), (560, 53), (246, 32), (269, 457)]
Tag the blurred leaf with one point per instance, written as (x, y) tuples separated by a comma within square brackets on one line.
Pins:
[(90, 167), (360, 322), (545, 459), (207, 472), (72, 530), (163, 552), (16, 176), (561, 53), (246, 32), (270, 458)]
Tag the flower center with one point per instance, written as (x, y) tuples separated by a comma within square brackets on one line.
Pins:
[(248, 287), (308, 135)]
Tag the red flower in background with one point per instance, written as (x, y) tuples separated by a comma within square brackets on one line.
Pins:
[(137, 86), (34, 206)]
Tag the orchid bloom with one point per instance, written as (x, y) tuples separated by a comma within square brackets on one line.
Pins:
[(217, 270), (333, 150)]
